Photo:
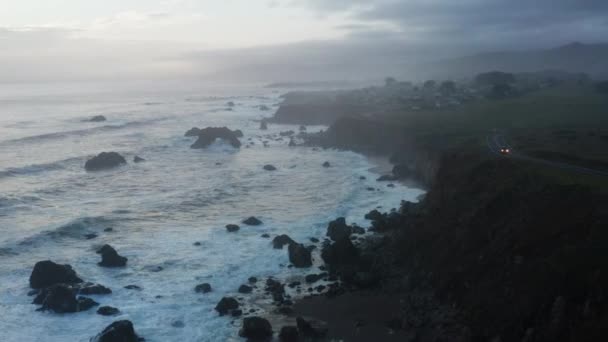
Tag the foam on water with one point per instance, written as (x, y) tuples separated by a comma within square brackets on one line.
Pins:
[(159, 208)]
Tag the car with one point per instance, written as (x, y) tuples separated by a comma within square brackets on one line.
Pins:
[(505, 150)]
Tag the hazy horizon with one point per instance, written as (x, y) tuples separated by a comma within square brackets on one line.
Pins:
[(273, 40)]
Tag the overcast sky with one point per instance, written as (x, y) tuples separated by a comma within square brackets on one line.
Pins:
[(46, 39)]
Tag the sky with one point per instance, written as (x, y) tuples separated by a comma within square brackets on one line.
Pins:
[(63, 39)]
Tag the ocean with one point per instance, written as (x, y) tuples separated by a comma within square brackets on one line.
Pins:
[(158, 209)]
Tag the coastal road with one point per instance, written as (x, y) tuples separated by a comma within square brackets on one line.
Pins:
[(496, 141)]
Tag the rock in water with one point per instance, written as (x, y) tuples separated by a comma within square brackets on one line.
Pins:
[(252, 221), (226, 305), (203, 288), (311, 329), (47, 273), (60, 298), (108, 311), (104, 160), (299, 255), (256, 329), (263, 125), (292, 143), (110, 258), (279, 241), (232, 228), (208, 135), (138, 159), (119, 331), (98, 118), (269, 167), (326, 164), (245, 289), (238, 133), (193, 132), (338, 229)]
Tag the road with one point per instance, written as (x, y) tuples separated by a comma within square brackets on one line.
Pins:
[(496, 141)]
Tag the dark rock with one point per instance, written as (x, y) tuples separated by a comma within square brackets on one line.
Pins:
[(226, 305), (292, 143), (294, 284), (386, 178), (338, 229), (374, 215), (263, 125), (232, 228), (357, 230), (93, 289), (362, 178), (109, 229), (237, 313), (138, 159), (98, 118), (90, 236), (253, 280), (108, 311), (252, 221), (285, 310), (256, 329), (47, 273), (197, 243), (230, 104), (314, 240), (104, 160), (276, 289), (193, 132), (208, 135), (402, 171), (238, 133), (326, 164), (313, 278), (178, 324), (281, 240), (311, 328), (203, 288), (245, 289), (287, 133), (133, 287), (153, 268), (340, 253), (289, 334), (110, 258), (119, 331), (266, 236), (269, 167), (61, 298), (299, 255)]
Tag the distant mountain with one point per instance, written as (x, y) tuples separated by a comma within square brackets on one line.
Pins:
[(575, 57)]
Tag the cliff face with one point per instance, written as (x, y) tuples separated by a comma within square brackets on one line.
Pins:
[(524, 258)]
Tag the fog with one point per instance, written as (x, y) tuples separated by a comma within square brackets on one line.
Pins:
[(307, 40)]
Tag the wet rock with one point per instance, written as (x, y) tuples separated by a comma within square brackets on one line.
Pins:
[(386, 178), (208, 135), (281, 240), (104, 160), (276, 289), (340, 253), (226, 305), (232, 228), (133, 287), (338, 229), (138, 159), (237, 313), (357, 230), (311, 328), (270, 167), (326, 164), (193, 132), (230, 104), (90, 236), (287, 133), (109, 229), (98, 118), (253, 280), (314, 240), (313, 278), (289, 334), (93, 289), (47, 273), (252, 221), (110, 258), (238, 133), (197, 243), (178, 324), (263, 125), (256, 329), (374, 215), (245, 289), (266, 236), (119, 331), (61, 298), (203, 288), (299, 255), (108, 311)]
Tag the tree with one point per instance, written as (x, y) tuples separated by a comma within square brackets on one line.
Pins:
[(390, 81), (494, 78), (447, 87)]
